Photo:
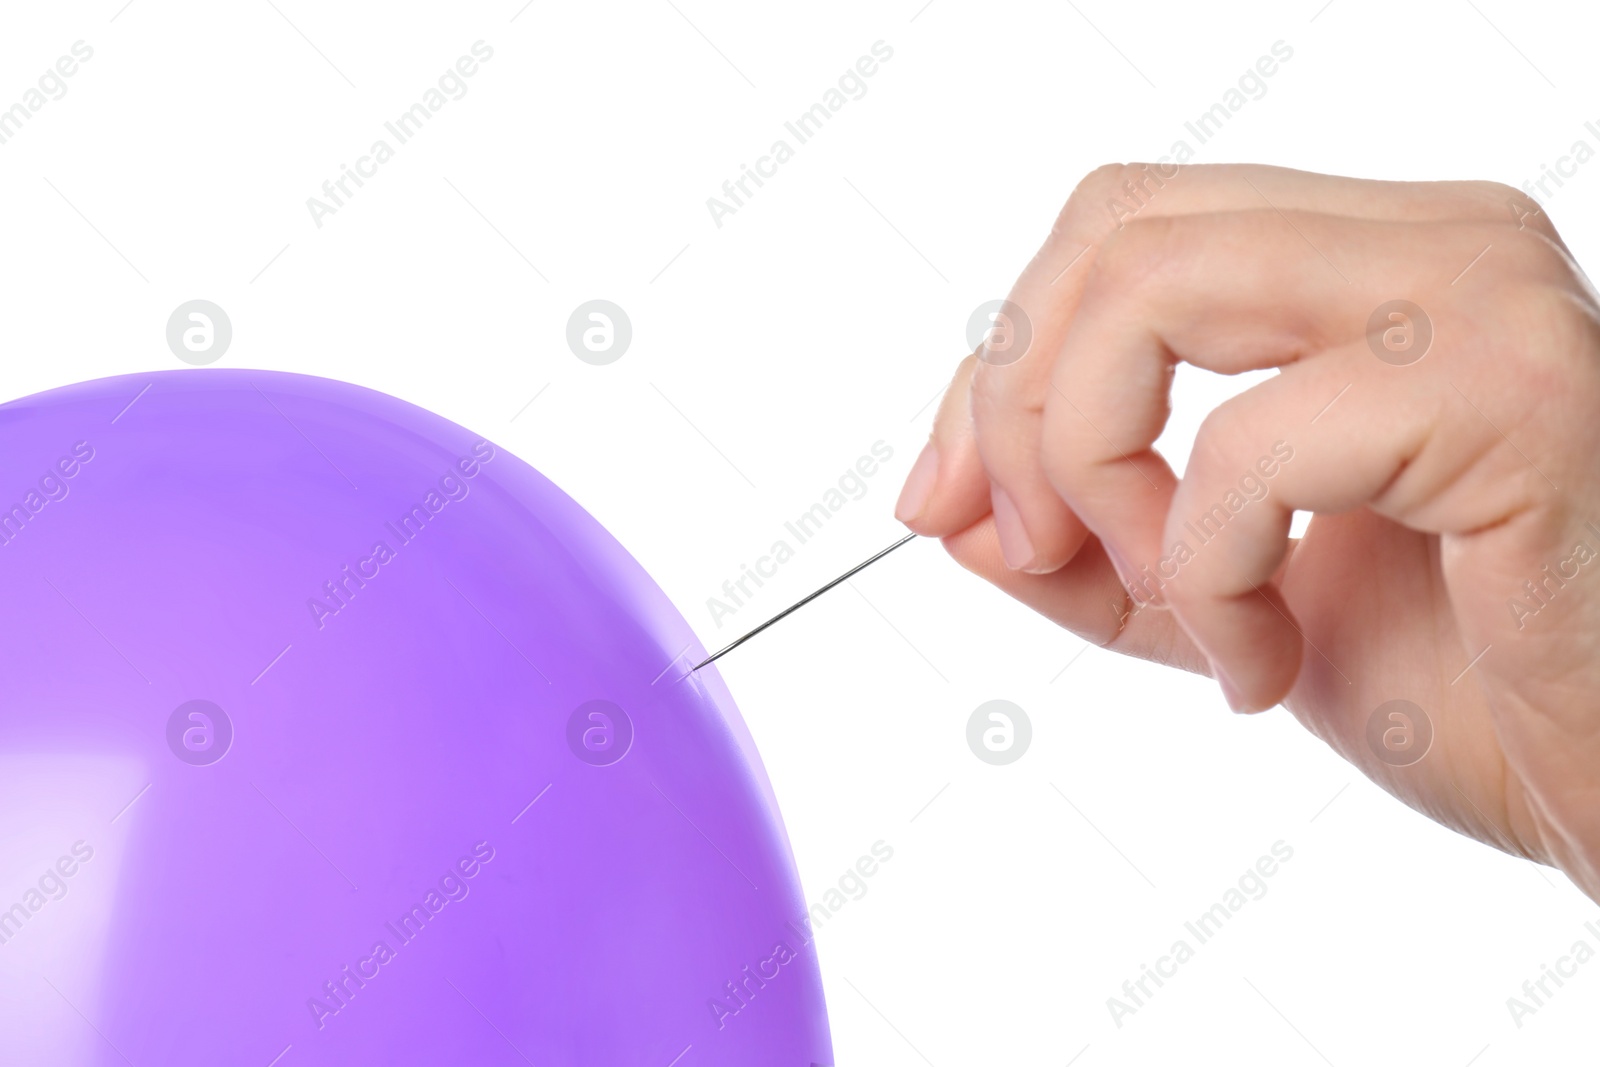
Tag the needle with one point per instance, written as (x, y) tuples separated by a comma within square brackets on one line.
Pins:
[(802, 603)]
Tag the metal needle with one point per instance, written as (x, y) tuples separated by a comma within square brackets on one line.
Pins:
[(802, 603)]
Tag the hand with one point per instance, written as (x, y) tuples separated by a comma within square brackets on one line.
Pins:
[(1448, 447)]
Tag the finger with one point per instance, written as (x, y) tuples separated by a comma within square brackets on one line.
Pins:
[(947, 489), (1010, 386), (1400, 441), (1083, 596), (1227, 293), (1257, 459)]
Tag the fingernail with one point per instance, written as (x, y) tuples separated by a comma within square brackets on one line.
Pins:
[(1230, 692), (1145, 592), (1015, 545), (1118, 564), (919, 485)]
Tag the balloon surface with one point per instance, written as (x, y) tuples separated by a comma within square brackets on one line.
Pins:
[(334, 734)]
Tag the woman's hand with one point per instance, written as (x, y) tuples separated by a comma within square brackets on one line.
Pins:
[(1437, 408)]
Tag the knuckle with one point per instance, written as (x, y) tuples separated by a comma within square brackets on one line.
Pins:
[(1516, 208), (1000, 392), (1135, 253), (1092, 190), (996, 398), (1541, 256), (1098, 204), (987, 392), (1498, 194), (1530, 255)]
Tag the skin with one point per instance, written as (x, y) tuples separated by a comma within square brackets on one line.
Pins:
[(1439, 487)]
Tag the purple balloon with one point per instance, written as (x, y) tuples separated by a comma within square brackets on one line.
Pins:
[(332, 733)]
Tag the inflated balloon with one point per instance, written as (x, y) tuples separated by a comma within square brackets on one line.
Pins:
[(334, 734)]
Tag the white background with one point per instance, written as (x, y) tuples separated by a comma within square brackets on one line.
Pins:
[(768, 355)]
